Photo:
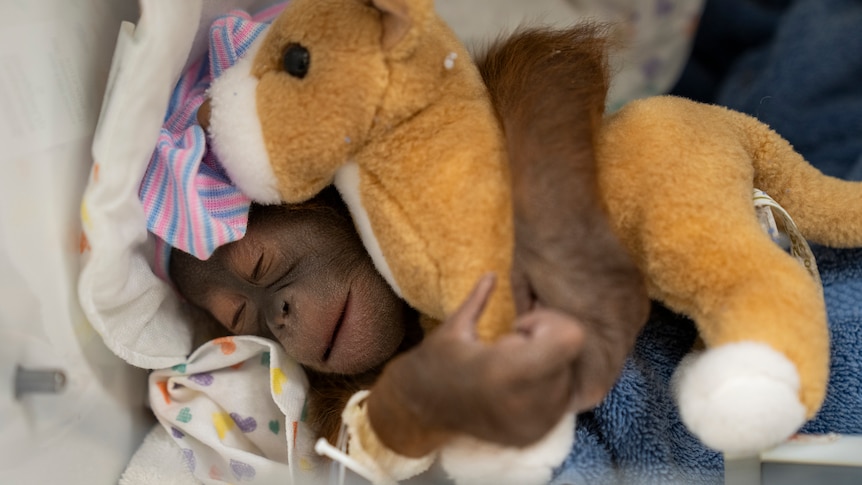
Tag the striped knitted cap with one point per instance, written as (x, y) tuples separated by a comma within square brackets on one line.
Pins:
[(189, 200)]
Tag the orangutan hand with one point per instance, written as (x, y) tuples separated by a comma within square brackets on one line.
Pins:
[(510, 392)]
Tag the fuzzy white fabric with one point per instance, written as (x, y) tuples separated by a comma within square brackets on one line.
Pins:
[(236, 132), (740, 398), (158, 460), (469, 461)]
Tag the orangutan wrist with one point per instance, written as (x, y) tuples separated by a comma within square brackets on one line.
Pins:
[(397, 423)]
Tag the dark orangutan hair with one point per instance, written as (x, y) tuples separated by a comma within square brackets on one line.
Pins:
[(549, 89)]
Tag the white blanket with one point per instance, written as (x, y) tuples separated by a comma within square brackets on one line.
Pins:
[(233, 408)]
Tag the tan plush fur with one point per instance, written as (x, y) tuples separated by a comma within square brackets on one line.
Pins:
[(677, 178), (433, 174)]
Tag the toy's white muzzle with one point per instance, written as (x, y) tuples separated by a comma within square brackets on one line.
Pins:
[(236, 132)]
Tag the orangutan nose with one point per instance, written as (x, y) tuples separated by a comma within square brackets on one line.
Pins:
[(279, 313)]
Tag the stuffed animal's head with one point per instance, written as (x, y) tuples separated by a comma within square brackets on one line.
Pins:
[(305, 99)]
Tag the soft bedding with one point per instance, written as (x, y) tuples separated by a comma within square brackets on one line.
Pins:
[(636, 436), (233, 408)]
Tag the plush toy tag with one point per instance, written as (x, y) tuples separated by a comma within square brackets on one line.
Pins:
[(784, 232)]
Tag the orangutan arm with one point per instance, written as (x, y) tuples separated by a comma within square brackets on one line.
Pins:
[(549, 89), (510, 392)]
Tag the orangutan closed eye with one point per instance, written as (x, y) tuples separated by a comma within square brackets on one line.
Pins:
[(301, 277)]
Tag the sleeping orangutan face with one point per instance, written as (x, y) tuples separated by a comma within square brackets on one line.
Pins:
[(302, 277)]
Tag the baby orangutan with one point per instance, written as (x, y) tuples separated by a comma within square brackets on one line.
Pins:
[(301, 277)]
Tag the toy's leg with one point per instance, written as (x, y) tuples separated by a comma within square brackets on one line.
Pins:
[(678, 182), (763, 320)]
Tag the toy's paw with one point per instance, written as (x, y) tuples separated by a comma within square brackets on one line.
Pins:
[(739, 398), (469, 461)]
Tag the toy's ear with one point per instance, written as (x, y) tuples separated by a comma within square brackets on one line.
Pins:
[(402, 20)]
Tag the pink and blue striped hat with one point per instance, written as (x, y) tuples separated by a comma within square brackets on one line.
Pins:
[(189, 200)]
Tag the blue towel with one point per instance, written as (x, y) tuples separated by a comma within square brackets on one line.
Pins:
[(796, 66), (806, 83), (635, 436)]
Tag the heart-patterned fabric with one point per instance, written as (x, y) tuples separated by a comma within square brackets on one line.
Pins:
[(236, 408)]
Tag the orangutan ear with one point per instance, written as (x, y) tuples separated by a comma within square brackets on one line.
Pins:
[(397, 22)]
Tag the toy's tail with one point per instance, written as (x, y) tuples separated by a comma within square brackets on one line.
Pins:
[(826, 209)]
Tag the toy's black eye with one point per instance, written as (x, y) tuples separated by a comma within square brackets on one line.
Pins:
[(296, 60)]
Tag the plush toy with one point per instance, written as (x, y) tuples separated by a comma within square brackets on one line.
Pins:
[(380, 98), (677, 178)]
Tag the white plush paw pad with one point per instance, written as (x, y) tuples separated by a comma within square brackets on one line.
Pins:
[(739, 398), (469, 461)]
